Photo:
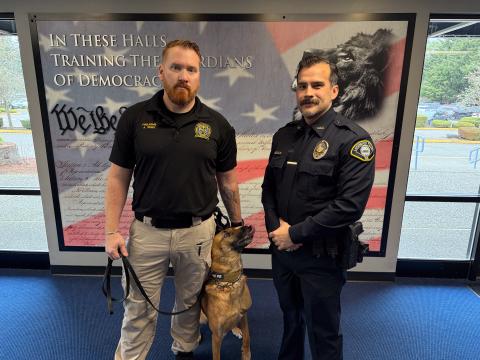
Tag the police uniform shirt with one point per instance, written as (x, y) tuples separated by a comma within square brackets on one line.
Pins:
[(175, 157), (333, 177)]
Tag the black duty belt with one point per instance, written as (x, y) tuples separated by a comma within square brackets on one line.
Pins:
[(179, 222)]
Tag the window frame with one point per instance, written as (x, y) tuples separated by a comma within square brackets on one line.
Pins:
[(21, 259)]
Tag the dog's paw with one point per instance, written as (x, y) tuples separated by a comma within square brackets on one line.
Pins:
[(237, 332)]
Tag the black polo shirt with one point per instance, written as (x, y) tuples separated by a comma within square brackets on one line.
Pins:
[(175, 157), (334, 174)]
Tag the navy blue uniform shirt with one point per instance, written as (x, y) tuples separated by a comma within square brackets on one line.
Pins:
[(333, 176)]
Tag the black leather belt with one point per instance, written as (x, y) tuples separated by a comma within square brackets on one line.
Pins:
[(177, 223)]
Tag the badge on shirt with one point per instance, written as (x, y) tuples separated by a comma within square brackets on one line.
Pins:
[(363, 150), (149, 125), (320, 150), (203, 131)]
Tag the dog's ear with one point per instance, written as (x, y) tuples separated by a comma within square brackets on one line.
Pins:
[(381, 43)]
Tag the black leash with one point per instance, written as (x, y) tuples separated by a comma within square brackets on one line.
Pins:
[(222, 222), (107, 290)]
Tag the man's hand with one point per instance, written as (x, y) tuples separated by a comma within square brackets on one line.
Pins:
[(281, 237), (113, 243)]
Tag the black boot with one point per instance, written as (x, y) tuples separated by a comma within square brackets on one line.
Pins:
[(184, 355)]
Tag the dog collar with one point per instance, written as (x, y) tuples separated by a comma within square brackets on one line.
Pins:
[(231, 277)]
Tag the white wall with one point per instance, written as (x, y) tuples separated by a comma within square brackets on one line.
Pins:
[(422, 9)]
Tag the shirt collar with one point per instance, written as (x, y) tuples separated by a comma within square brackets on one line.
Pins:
[(153, 105), (323, 122)]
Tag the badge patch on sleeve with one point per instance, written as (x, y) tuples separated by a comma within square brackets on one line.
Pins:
[(203, 131), (363, 150)]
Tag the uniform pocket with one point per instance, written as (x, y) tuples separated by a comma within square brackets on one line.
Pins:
[(277, 161), (315, 179), (204, 243)]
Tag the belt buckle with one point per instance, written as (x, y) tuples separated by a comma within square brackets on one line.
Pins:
[(147, 220), (196, 220)]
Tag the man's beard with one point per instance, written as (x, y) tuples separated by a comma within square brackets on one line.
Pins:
[(180, 94)]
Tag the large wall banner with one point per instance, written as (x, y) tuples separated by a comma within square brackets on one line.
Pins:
[(91, 68)]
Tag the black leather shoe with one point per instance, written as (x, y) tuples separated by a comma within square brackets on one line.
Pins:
[(184, 355)]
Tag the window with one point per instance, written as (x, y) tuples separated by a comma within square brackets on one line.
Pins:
[(21, 223), (443, 193)]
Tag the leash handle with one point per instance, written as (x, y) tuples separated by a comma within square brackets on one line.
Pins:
[(221, 221), (107, 290)]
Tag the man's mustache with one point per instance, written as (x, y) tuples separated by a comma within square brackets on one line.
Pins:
[(182, 85), (309, 102)]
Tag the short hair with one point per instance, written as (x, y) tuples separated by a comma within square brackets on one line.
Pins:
[(309, 59), (186, 44)]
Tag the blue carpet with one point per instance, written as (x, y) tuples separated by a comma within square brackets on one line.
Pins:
[(55, 317)]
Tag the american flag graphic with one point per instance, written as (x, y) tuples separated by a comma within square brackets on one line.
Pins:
[(247, 71)]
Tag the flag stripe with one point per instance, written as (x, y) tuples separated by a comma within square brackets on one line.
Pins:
[(393, 75), (288, 34)]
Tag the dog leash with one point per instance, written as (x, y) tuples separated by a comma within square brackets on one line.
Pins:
[(107, 289), (222, 222)]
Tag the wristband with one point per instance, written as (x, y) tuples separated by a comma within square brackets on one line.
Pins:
[(239, 223), (111, 232)]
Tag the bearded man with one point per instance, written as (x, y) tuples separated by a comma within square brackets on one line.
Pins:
[(178, 150)]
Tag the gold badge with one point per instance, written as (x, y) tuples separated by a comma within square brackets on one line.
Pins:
[(363, 150), (149, 125), (320, 150), (203, 131)]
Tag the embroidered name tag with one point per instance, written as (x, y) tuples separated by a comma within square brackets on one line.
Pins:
[(149, 125)]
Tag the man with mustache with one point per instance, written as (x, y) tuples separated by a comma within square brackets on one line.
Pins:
[(178, 150), (317, 182)]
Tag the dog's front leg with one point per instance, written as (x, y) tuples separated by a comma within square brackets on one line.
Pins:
[(217, 339), (246, 338)]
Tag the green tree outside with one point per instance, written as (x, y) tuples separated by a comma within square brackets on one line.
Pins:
[(471, 95), (448, 62), (11, 79)]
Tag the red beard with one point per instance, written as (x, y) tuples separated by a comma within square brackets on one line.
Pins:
[(180, 94)]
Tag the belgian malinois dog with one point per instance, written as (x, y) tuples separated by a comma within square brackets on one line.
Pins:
[(226, 297)]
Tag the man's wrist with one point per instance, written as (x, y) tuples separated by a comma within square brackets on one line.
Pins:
[(293, 233), (237, 223), (111, 232)]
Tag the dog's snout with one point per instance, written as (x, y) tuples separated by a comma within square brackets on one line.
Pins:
[(248, 230)]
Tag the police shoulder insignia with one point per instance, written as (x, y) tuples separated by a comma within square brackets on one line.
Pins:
[(203, 131), (363, 150), (320, 149)]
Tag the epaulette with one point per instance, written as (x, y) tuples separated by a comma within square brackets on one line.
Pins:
[(290, 124), (351, 125), (293, 123)]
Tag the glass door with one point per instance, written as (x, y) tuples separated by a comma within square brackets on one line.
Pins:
[(22, 224), (439, 230)]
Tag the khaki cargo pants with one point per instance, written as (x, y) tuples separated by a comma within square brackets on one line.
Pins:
[(151, 250)]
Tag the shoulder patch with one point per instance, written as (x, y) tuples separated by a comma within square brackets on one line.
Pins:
[(363, 150)]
